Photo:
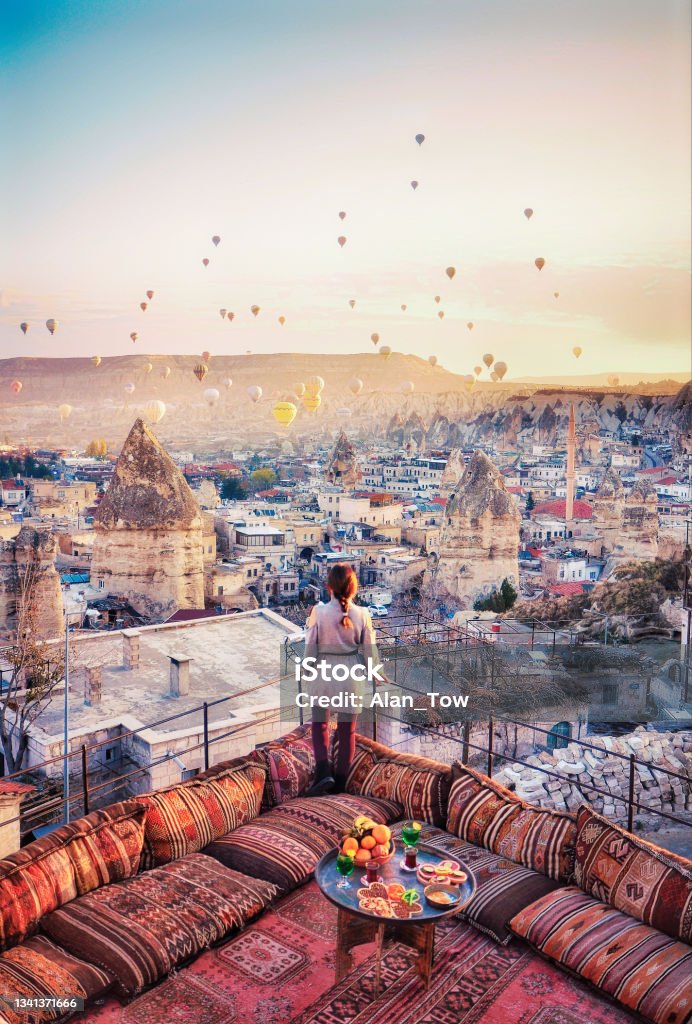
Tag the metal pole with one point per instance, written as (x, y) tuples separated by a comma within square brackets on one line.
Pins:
[(465, 745), (630, 805), (85, 779), (66, 725), (490, 747), (205, 717)]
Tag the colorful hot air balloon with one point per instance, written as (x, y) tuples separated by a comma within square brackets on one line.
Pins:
[(143, 306), (228, 383), (150, 295), (342, 240), (352, 303), (311, 403), (500, 369), (64, 411), (206, 356), (96, 360), (577, 351), (222, 313), (155, 410), (342, 214), (200, 371), (205, 262), (211, 396), (556, 295), (284, 413), (528, 213), (438, 299), (420, 139), (254, 310), (314, 386), (216, 239), (133, 337), (166, 372), (441, 314), (469, 380), (16, 386), (147, 367), (374, 338), (282, 320), (52, 325), (478, 370), (230, 316), (129, 389), (432, 360), (450, 272), (414, 185), (355, 385), (470, 325), (494, 375), (407, 387), (24, 327), (540, 262), (488, 359), (403, 307), (255, 392), (385, 351), (299, 389)]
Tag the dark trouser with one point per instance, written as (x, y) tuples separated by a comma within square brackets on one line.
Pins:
[(346, 744)]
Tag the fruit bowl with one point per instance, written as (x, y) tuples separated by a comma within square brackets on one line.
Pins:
[(388, 856), (368, 840)]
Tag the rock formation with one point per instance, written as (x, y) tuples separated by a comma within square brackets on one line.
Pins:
[(452, 472), (29, 579), (480, 536), (608, 508), (148, 547), (342, 468), (640, 522)]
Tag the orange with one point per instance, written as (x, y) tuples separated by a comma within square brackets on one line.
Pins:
[(362, 857), (380, 851), (350, 845), (381, 834), (367, 842)]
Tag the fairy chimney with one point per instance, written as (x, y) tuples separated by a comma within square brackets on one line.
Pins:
[(30, 596), (342, 468)]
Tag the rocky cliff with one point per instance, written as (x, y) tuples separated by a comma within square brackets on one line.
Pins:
[(28, 575)]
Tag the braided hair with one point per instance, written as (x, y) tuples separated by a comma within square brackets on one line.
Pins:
[(343, 583)]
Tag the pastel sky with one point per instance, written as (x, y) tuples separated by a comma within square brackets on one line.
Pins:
[(134, 130)]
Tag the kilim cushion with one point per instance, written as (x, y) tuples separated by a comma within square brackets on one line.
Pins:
[(487, 814), (503, 888), (108, 846), (645, 970), (419, 784), (185, 818), (40, 969), (142, 928), (284, 845), (636, 877)]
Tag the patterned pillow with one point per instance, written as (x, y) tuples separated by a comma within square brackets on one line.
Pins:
[(33, 882), (144, 927), (487, 814), (418, 784), (39, 969), (108, 846), (640, 879), (291, 769), (639, 966), (187, 817), (362, 763)]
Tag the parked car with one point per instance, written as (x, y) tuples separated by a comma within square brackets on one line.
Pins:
[(377, 611)]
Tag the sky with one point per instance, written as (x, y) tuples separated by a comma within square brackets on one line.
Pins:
[(137, 129)]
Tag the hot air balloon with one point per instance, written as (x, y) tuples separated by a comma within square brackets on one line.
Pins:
[(470, 325), (414, 185), (577, 351), (166, 372), (385, 351), (52, 325), (488, 359), (150, 295), (284, 413), (314, 386), (64, 411), (478, 370), (222, 313), (96, 360), (206, 356), (24, 327), (352, 303), (155, 410), (407, 387), (450, 272), (143, 306), (540, 262), (311, 402), (556, 295), (216, 239), (494, 376), (403, 306), (230, 316), (343, 413), (205, 262), (147, 367), (528, 213), (282, 320), (299, 389), (254, 310), (129, 389), (355, 385), (200, 371), (441, 314), (437, 299), (255, 392), (374, 338), (342, 214), (342, 240), (228, 383), (211, 396), (432, 360), (16, 386), (500, 369), (420, 139), (469, 380), (134, 336)]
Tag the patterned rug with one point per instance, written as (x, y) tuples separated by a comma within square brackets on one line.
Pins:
[(282, 969)]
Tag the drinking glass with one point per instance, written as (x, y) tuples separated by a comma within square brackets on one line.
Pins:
[(410, 837), (344, 865)]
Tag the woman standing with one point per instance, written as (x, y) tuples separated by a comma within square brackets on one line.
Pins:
[(339, 633)]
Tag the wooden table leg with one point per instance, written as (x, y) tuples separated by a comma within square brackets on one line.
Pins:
[(424, 962), (378, 964), (352, 930)]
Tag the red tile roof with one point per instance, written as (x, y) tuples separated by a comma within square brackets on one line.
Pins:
[(668, 480), (12, 485), (10, 788), (556, 507), (565, 589)]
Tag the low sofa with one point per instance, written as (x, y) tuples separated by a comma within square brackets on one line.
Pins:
[(118, 899)]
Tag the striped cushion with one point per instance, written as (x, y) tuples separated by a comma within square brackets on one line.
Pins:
[(142, 928), (645, 970), (284, 845), (487, 814), (40, 969), (185, 818), (503, 888), (638, 878), (419, 784), (109, 847)]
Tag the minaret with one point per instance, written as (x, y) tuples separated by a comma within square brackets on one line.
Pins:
[(571, 445)]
